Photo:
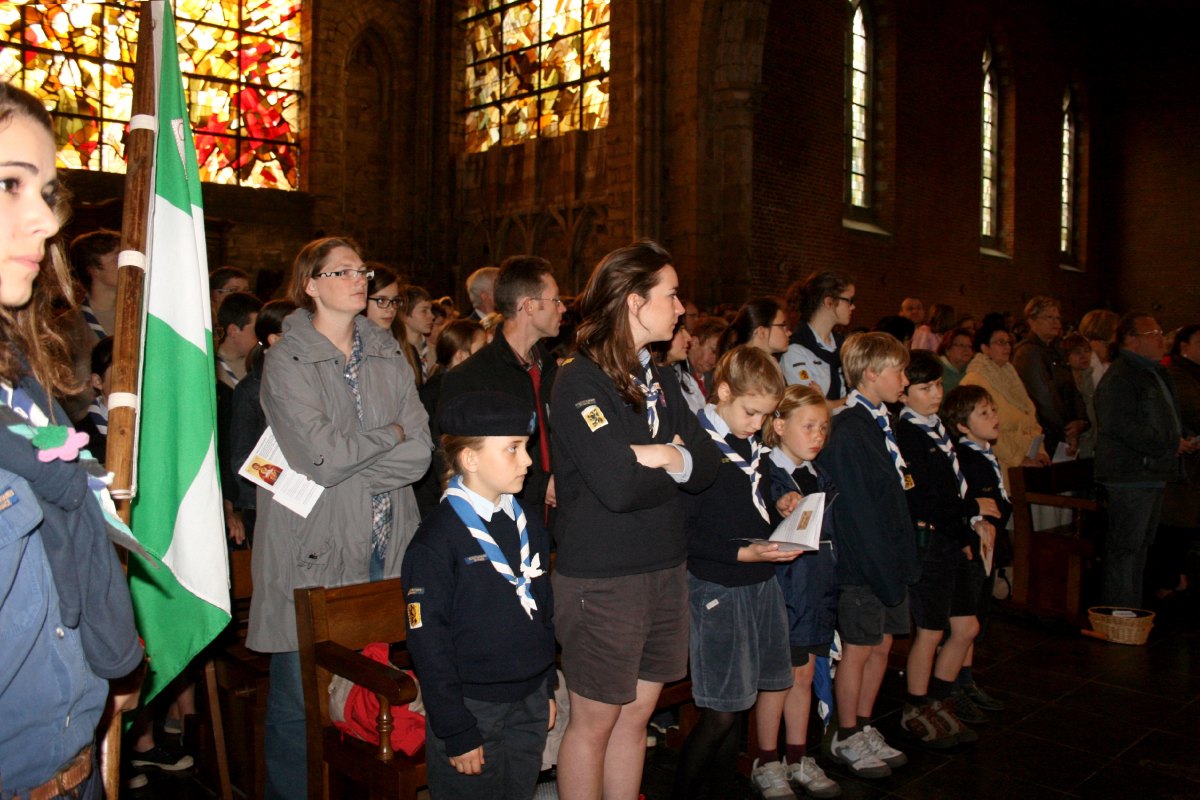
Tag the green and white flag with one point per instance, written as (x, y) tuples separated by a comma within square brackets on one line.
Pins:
[(176, 513)]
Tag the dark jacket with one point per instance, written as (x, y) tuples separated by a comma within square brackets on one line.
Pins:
[(616, 517), (1137, 423), (1035, 362), (720, 513), (246, 424), (496, 368), (934, 498), (1181, 503), (467, 632), (876, 541), (983, 482), (809, 584)]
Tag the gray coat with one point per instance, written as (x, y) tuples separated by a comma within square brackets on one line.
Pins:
[(312, 413)]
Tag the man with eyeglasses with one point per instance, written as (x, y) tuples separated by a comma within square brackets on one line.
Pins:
[(1139, 440), (1036, 359), (516, 362)]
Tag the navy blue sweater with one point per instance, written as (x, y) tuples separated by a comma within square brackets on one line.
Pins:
[(718, 514), (934, 498), (469, 635)]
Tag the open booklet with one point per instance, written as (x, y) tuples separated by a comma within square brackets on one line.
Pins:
[(266, 467), (800, 530)]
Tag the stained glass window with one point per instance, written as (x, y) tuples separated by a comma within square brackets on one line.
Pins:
[(241, 65), (1066, 223), (989, 207), (858, 109), (534, 68)]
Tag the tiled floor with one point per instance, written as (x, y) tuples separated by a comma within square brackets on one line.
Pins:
[(1084, 719)]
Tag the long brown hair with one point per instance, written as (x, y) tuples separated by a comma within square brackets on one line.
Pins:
[(604, 334), (28, 333)]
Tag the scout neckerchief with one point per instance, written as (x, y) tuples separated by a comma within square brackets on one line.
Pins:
[(651, 388), (381, 504), (93, 322), (990, 455), (456, 495), (935, 430), (228, 377), (710, 420), (98, 413), (881, 418), (38, 427)]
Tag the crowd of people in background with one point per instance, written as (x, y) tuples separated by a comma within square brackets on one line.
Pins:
[(652, 446)]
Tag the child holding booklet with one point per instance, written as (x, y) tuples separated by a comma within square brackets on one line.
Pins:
[(796, 433), (738, 644), (950, 528), (970, 413), (480, 609)]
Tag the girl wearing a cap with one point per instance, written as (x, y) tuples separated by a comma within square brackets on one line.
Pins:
[(625, 442), (479, 609)]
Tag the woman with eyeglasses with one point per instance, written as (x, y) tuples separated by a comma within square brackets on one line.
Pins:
[(824, 301), (340, 397), (760, 322), (383, 296), (992, 369)]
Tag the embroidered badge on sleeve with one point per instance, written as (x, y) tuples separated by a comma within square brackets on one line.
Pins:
[(594, 418), (414, 616)]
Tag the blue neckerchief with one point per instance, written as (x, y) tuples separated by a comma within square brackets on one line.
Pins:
[(651, 388), (990, 455), (93, 322), (710, 420), (880, 414), (456, 495), (935, 430)]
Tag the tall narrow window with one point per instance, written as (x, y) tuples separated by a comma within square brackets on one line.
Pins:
[(241, 65), (534, 68), (1066, 223), (989, 196), (858, 110)]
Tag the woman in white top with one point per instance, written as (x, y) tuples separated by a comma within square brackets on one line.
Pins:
[(813, 356)]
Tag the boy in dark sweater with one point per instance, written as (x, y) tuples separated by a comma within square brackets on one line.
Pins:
[(480, 609), (970, 413), (877, 554), (949, 526), (739, 632)]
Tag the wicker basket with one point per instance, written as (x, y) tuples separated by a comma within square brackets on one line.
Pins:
[(1115, 624)]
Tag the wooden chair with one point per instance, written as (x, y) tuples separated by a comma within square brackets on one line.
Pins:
[(1050, 566), (236, 680), (333, 624)]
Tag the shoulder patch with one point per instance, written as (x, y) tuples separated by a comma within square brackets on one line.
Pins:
[(591, 401), (567, 361), (415, 591), (469, 560), (594, 418), (8, 499), (414, 616), (908, 482)]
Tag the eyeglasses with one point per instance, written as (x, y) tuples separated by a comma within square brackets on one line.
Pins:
[(386, 302), (847, 300), (1155, 332), (783, 325), (233, 290), (348, 274), (964, 345), (1051, 317), (1001, 343), (556, 300)]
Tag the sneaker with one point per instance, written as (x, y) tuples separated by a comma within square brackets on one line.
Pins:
[(981, 698), (856, 753), (882, 750), (809, 776), (159, 756), (966, 710), (651, 738), (136, 780), (925, 726), (771, 780), (944, 709)]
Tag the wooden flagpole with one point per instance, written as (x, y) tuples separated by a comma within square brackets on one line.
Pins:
[(127, 338)]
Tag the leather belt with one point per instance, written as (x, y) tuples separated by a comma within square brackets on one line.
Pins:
[(66, 780)]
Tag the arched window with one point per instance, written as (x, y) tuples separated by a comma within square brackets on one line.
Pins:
[(534, 68), (241, 65), (1066, 223), (989, 202), (858, 109)]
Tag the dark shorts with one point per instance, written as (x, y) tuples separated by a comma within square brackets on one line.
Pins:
[(616, 631), (864, 620), (968, 588), (801, 653), (932, 593)]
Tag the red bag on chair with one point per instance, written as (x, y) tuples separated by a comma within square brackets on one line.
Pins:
[(360, 710)]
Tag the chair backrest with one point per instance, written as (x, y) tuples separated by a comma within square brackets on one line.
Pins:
[(353, 616)]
